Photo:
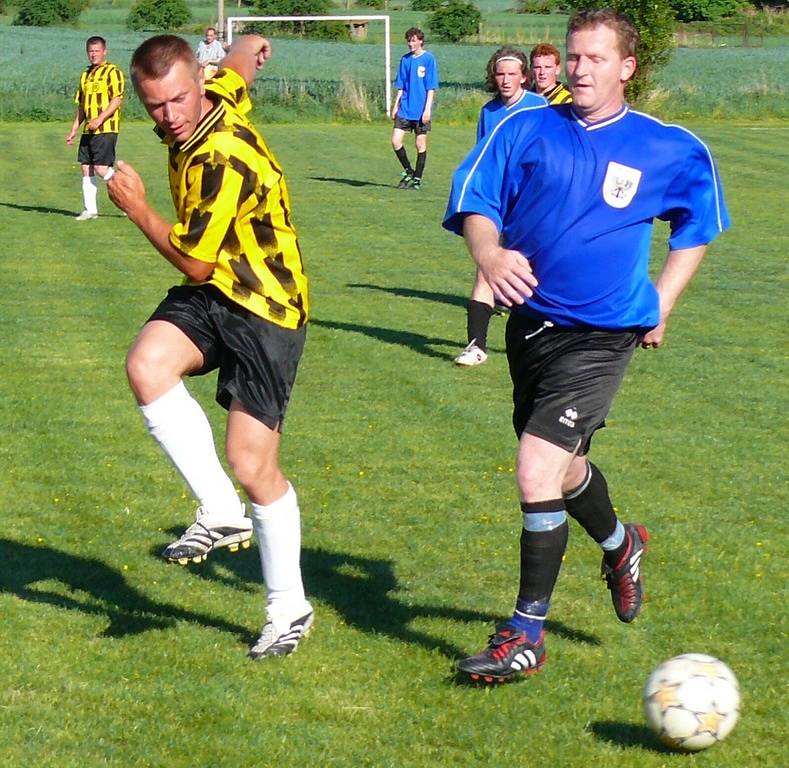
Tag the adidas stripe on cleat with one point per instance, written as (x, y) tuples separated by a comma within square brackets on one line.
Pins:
[(280, 638), (624, 580), (202, 537), (509, 654)]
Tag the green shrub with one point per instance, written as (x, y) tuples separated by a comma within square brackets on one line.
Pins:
[(425, 5), (706, 10), (377, 5), (323, 30), (45, 13), (158, 15), (454, 21)]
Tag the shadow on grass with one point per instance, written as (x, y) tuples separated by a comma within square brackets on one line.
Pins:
[(628, 735), (414, 293), (364, 592), (418, 342), (92, 587), (113, 214), (349, 182), (40, 209)]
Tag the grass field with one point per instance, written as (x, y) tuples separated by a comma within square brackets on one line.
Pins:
[(404, 466)]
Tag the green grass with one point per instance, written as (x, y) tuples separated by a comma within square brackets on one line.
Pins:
[(403, 464)]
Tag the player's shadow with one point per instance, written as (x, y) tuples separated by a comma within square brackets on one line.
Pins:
[(414, 293), (366, 594), (348, 182), (41, 574), (40, 209), (627, 735), (418, 342)]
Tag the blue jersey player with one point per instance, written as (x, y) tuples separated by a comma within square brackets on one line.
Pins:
[(508, 78), (556, 206), (416, 83)]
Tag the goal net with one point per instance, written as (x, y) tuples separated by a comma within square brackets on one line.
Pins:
[(235, 24)]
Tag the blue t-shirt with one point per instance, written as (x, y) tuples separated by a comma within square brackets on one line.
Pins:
[(578, 199), (495, 111), (415, 77)]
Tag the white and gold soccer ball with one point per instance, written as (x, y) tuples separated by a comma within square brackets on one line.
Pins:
[(692, 701)]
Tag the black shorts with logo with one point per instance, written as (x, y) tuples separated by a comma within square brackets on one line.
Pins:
[(417, 126), (257, 359), (564, 379), (97, 148)]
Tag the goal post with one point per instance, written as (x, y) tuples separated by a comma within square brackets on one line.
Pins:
[(351, 19)]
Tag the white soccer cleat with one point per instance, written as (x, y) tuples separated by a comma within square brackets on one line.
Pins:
[(471, 355), (279, 636), (205, 535), (86, 216)]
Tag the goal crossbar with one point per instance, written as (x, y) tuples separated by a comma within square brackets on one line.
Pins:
[(352, 19)]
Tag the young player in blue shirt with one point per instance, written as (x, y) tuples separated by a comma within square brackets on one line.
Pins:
[(556, 206), (416, 83), (508, 78)]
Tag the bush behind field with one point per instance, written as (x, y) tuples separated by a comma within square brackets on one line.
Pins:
[(41, 66)]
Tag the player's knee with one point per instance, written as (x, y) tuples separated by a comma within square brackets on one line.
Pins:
[(144, 366), (252, 470)]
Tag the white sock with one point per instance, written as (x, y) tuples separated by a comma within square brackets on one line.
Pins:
[(89, 191), (278, 532), (177, 422)]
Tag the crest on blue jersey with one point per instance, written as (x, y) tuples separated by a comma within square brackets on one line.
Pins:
[(620, 184)]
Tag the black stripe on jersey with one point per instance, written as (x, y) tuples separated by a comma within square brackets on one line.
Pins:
[(276, 309), (276, 265), (198, 223), (264, 232), (249, 181), (211, 182)]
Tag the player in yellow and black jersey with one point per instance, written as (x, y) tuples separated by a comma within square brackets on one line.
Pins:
[(242, 310), (545, 62), (98, 98)]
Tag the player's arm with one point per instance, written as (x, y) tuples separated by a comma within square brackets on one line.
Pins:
[(396, 104), (106, 114), (247, 55), (127, 191), (78, 119), (507, 272), (677, 272), (428, 110)]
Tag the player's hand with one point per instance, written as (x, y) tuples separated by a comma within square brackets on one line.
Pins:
[(654, 338), (126, 189), (264, 54), (70, 138), (94, 124), (509, 275)]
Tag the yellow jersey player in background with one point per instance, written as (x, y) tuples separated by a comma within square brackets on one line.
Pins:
[(99, 97), (546, 67), (242, 309)]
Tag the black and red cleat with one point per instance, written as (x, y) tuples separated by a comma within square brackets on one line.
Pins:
[(509, 653), (624, 580)]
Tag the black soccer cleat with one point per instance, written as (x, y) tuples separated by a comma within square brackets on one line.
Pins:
[(201, 538), (624, 580), (509, 653), (406, 177)]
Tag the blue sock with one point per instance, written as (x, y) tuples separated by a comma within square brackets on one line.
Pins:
[(529, 618)]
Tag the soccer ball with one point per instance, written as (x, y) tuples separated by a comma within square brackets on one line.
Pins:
[(692, 701)]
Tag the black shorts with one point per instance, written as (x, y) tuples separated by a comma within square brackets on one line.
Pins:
[(564, 380), (417, 126), (257, 359), (97, 148)]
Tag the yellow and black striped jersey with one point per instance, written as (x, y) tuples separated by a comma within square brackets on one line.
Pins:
[(233, 209), (558, 95), (98, 86)]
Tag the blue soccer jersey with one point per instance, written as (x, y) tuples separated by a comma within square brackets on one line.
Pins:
[(578, 199), (415, 77), (495, 111)]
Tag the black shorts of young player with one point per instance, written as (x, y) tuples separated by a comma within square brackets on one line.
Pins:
[(97, 149), (564, 379), (257, 359), (416, 126)]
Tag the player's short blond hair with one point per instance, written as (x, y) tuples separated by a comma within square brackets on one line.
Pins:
[(155, 57), (627, 37)]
